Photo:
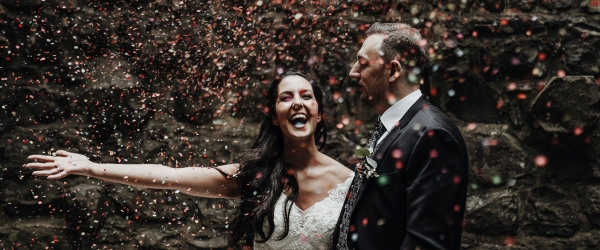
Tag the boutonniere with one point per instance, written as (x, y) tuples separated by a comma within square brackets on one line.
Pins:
[(367, 166)]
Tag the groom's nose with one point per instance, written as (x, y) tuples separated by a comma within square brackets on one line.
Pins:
[(354, 72)]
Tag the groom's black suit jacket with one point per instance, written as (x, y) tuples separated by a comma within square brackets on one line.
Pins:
[(418, 200)]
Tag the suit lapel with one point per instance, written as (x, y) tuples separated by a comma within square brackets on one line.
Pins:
[(392, 135)]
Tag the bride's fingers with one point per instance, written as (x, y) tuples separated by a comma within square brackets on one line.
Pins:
[(71, 155), (59, 175), (40, 165), (46, 172), (43, 158), (63, 153)]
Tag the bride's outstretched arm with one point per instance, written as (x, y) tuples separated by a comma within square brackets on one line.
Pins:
[(197, 181)]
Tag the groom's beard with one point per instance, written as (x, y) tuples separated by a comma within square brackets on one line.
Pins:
[(375, 93)]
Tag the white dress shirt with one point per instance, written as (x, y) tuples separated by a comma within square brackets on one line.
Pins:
[(393, 114)]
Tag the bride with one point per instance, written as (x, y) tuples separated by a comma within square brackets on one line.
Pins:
[(291, 194)]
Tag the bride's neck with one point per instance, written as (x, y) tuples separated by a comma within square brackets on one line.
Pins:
[(300, 155)]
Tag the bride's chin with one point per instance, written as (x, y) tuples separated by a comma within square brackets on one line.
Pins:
[(299, 134)]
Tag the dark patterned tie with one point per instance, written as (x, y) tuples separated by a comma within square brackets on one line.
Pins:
[(354, 188), (379, 131)]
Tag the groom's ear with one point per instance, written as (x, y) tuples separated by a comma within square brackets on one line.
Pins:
[(395, 70)]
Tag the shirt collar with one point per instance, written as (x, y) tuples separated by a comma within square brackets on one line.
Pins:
[(393, 114)]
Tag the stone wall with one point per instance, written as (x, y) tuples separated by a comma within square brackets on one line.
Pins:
[(181, 83)]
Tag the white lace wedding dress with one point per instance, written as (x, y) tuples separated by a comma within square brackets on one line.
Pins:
[(311, 228)]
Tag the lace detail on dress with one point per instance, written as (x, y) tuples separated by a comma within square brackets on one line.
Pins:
[(311, 228)]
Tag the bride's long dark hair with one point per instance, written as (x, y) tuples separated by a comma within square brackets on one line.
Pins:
[(263, 173)]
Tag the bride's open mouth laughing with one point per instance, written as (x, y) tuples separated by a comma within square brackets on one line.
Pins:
[(298, 120)]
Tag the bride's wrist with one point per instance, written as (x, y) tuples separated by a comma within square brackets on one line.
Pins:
[(92, 169)]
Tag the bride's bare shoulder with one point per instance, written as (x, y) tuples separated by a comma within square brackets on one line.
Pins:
[(338, 169)]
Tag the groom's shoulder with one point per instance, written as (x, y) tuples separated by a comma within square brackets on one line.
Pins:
[(431, 116)]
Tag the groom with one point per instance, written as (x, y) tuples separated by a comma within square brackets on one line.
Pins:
[(417, 201)]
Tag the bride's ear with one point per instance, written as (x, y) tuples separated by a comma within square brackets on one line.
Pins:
[(275, 121)]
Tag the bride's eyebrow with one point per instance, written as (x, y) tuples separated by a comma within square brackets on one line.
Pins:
[(284, 93), (304, 91), (301, 92)]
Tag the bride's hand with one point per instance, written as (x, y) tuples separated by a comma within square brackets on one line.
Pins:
[(59, 166)]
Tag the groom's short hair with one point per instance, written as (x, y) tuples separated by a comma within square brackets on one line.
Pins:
[(401, 43)]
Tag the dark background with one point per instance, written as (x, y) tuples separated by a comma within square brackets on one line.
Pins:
[(182, 83)]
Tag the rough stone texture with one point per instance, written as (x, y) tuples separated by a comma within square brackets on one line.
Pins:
[(506, 163), (590, 203), (557, 4), (523, 5), (181, 83), (558, 109), (550, 212), (492, 213)]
